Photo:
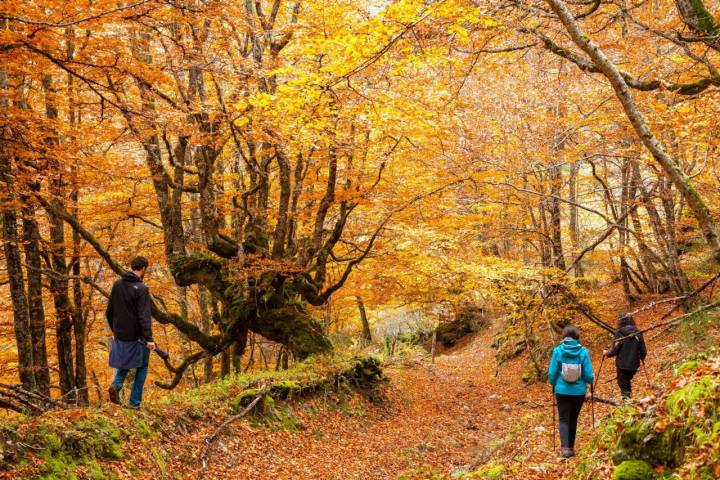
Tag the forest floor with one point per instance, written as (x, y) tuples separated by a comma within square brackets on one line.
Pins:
[(438, 421), (433, 421)]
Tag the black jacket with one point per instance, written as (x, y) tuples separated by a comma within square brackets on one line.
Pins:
[(128, 311), (630, 351)]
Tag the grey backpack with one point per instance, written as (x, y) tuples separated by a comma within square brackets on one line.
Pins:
[(571, 372)]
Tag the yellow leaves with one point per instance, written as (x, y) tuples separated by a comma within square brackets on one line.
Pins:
[(459, 31), (260, 100)]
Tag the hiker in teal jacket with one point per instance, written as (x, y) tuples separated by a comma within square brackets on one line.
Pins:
[(569, 372)]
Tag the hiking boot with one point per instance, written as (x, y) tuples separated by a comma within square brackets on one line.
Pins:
[(131, 406), (567, 453), (114, 395)]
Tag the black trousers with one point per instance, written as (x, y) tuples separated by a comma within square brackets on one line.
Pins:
[(569, 407), (624, 379)]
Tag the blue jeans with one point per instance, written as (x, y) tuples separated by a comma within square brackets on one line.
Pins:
[(138, 384)]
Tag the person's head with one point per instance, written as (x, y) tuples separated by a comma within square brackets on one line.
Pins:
[(571, 332), (139, 266), (626, 320)]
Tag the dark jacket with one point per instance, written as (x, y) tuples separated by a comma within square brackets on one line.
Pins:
[(128, 311), (630, 351)]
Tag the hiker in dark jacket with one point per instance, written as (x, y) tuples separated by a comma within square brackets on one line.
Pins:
[(569, 372), (128, 314), (628, 353)]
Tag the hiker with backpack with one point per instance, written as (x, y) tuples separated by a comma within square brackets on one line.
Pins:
[(569, 373), (629, 350)]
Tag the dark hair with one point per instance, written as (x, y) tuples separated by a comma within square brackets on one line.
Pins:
[(626, 319), (571, 332), (138, 263)]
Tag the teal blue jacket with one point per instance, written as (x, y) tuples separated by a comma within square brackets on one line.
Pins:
[(570, 351)]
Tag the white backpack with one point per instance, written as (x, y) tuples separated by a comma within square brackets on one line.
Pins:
[(571, 372)]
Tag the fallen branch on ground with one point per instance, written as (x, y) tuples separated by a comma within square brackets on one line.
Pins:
[(16, 398), (606, 401)]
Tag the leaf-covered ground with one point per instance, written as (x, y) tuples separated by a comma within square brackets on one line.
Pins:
[(437, 421), (434, 421)]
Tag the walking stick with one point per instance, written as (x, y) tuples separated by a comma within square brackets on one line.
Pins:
[(592, 391), (554, 423), (647, 377), (592, 404), (597, 377)]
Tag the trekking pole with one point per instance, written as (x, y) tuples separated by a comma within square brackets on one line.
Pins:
[(592, 390), (554, 424), (592, 403), (597, 377), (647, 377)]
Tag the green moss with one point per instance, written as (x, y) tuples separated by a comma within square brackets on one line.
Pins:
[(97, 472), (286, 388), (284, 419), (95, 437), (639, 441), (688, 366), (159, 460), (142, 429), (62, 442), (705, 18), (424, 473), (245, 398), (50, 441), (683, 401), (196, 267), (486, 472), (634, 470), (63, 445)]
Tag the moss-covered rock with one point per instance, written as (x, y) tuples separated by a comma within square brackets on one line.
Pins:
[(634, 470), (640, 441), (245, 398)]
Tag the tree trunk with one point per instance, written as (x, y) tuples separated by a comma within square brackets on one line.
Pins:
[(573, 220), (237, 353), (677, 279), (646, 260), (206, 326), (31, 241), (21, 317), (558, 255), (678, 177), (61, 300), (366, 335), (625, 192), (79, 320), (328, 318), (225, 363)]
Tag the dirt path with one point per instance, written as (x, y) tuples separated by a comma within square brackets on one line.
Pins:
[(438, 418)]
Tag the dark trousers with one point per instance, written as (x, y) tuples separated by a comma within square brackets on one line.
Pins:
[(569, 407), (624, 379)]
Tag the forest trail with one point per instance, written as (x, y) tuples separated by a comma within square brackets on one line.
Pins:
[(438, 419)]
